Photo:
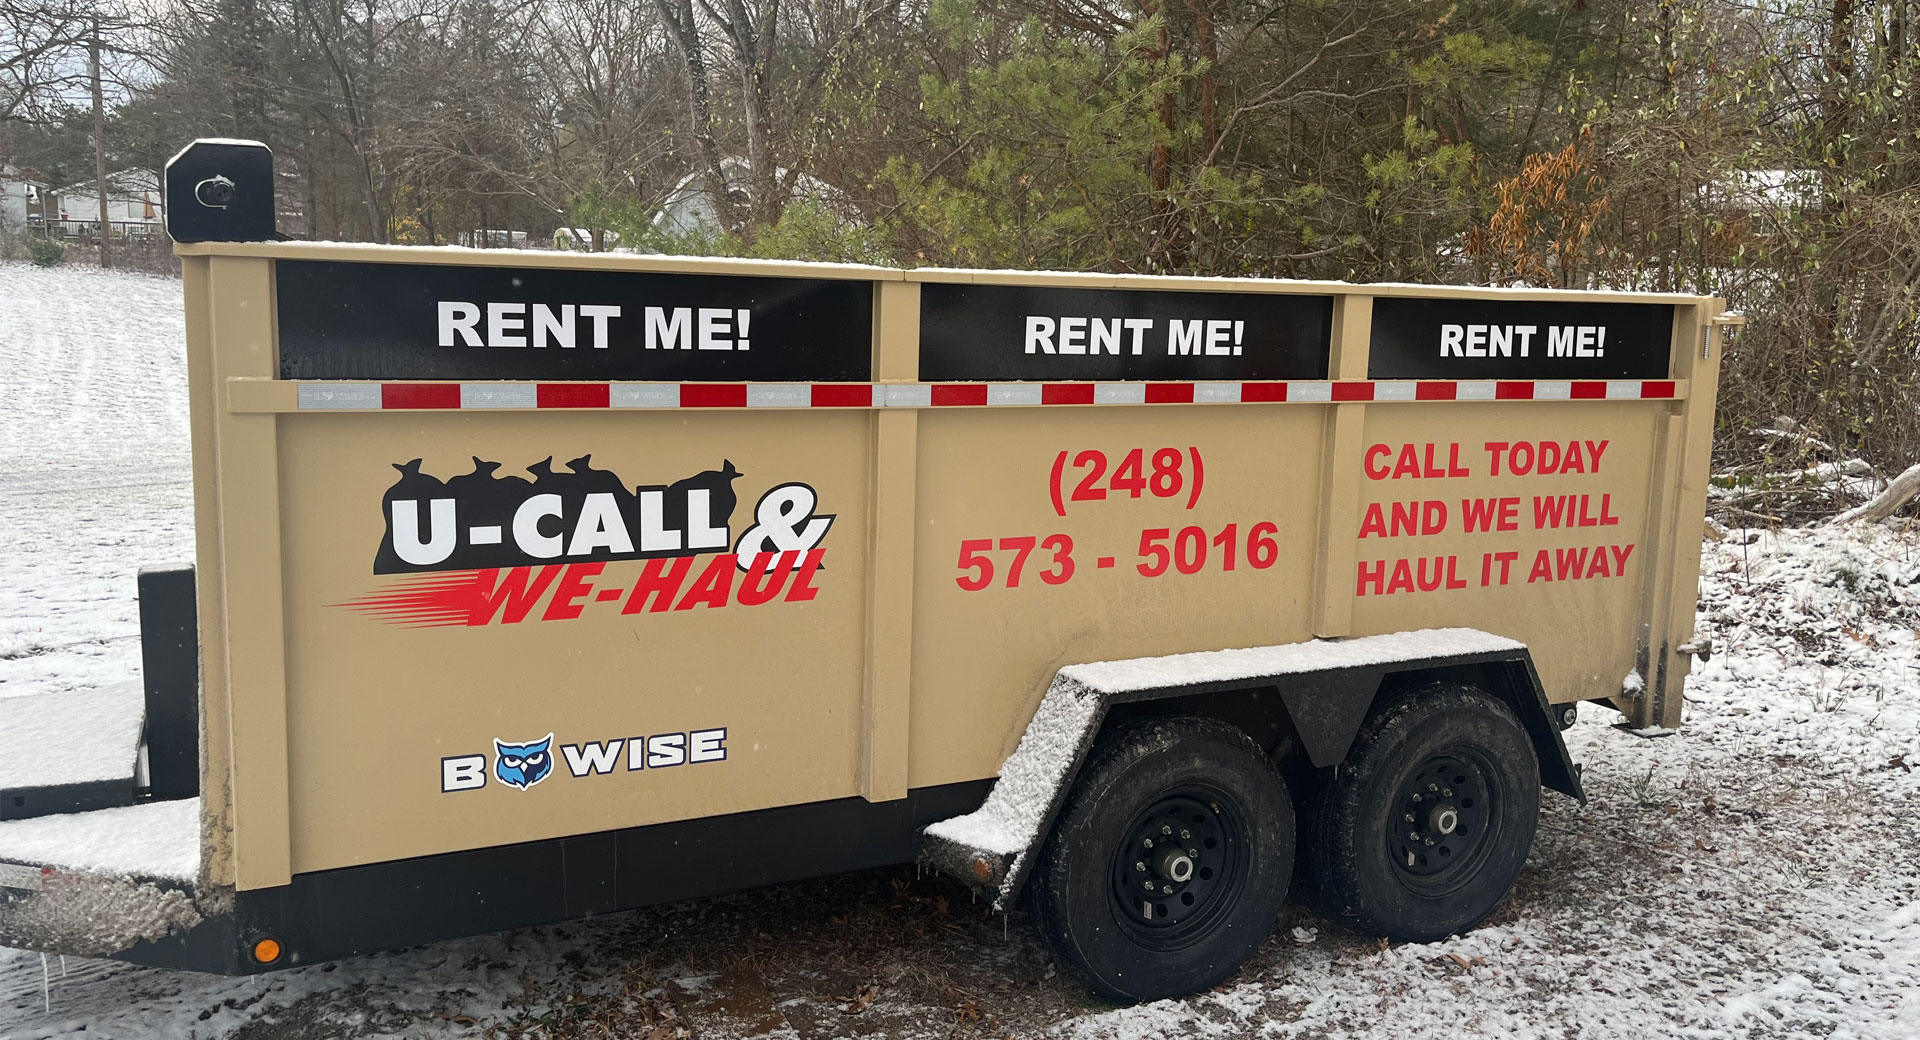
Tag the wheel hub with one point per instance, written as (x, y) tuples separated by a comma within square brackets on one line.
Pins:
[(1175, 865), (1440, 820)]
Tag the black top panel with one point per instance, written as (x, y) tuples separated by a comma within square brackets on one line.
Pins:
[(411, 321), (1017, 332), (1519, 339)]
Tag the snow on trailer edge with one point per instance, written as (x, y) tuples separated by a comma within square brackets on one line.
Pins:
[(152, 839), (1206, 666)]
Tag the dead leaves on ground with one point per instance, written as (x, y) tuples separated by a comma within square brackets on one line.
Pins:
[(860, 1001)]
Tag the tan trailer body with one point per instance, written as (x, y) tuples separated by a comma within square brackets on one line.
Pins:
[(335, 697)]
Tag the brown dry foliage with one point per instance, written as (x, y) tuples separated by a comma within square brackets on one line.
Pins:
[(1547, 215)]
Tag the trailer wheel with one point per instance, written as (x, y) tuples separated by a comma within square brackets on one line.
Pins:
[(1423, 830), (1169, 862)]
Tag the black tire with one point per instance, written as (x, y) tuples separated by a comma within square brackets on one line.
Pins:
[(1187, 774), (1375, 871)]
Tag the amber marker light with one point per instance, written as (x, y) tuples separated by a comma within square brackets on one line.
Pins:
[(266, 951)]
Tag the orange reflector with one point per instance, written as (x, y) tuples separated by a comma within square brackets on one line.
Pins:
[(266, 951)]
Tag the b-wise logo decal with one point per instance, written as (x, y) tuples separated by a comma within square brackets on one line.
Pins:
[(495, 548), (523, 764)]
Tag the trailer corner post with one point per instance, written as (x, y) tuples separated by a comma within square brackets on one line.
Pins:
[(204, 408), (1340, 472), (1695, 360), (240, 562), (1676, 490), (887, 700)]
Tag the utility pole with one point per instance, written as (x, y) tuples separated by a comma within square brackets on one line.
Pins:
[(99, 141)]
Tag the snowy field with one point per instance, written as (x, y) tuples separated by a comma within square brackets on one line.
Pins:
[(1754, 876)]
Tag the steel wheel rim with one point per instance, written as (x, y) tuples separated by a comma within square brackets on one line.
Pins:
[(1166, 890), (1444, 821)]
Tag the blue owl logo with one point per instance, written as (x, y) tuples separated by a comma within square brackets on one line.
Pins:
[(523, 765)]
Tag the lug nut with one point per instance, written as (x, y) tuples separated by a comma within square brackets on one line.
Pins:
[(1433, 787), (1164, 829), (1408, 817), (1413, 837), (1166, 889), (1416, 797), (1429, 841), (1138, 865), (1185, 834), (1193, 853), (1149, 886), (1446, 792), (1148, 842)]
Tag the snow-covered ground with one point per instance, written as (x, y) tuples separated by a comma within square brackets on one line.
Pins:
[(95, 476), (1755, 875)]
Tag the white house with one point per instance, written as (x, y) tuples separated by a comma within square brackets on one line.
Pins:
[(493, 238), (20, 195), (133, 197), (580, 240), (689, 208)]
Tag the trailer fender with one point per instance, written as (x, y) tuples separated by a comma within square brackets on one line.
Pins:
[(1326, 686)]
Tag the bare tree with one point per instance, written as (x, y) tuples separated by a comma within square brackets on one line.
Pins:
[(751, 31), (678, 16), (554, 103), (38, 40)]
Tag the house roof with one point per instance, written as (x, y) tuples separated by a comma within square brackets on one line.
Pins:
[(15, 175)]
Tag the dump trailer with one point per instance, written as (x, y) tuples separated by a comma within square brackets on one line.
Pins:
[(531, 586)]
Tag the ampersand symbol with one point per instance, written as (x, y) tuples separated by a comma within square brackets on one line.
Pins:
[(783, 521)]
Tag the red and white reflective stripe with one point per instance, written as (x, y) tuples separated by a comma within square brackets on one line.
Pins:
[(1505, 390), (484, 396)]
